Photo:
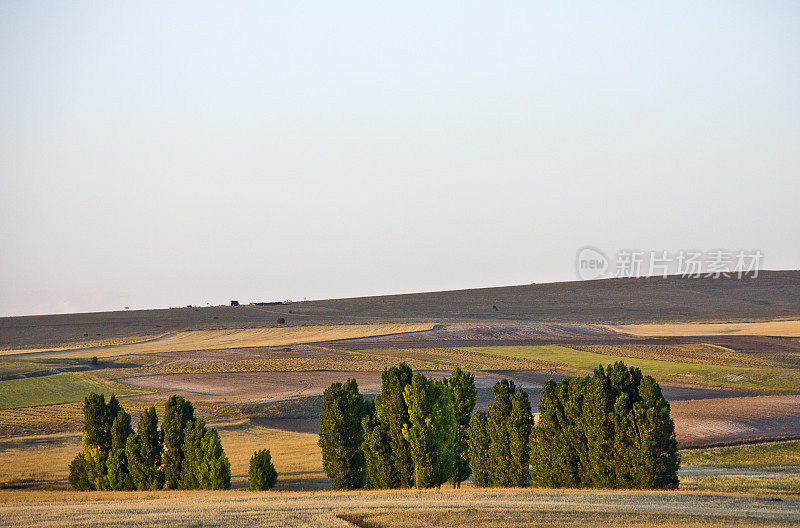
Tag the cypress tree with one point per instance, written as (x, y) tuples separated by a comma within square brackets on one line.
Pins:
[(341, 435), (391, 409), (431, 431), (118, 476), (214, 470), (98, 420), (262, 472), (377, 450), (519, 426), (501, 461), (478, 449), (608, 430), (143, 451), (192, 453), (177, 414), (464, 396)]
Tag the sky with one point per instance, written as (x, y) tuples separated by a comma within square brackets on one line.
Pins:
[(157, 154)]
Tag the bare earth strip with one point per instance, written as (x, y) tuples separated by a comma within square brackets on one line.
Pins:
[(767, 328), (235, 338), (240, 508), (718, 420)]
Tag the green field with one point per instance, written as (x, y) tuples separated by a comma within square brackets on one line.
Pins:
[(748, 378), (771, 454), (58, 388)]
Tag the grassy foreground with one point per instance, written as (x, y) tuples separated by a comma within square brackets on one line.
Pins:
[(504, 508)]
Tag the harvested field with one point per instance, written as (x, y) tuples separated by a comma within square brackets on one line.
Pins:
[(255, 387), (512, 507), (44, 459), (68, 417), (234, 338), (790, 328), (718, 420)]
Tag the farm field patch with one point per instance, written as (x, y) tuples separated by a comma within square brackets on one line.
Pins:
[(788, 328), (58, 388), (747, 378), (235, 338), (512, 508)]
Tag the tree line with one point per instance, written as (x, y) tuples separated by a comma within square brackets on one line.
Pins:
[(182, 454), (611, 429)]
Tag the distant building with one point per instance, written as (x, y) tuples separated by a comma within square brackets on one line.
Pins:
[(234, 303)]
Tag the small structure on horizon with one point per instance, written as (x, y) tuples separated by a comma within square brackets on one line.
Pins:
[(234, 303)]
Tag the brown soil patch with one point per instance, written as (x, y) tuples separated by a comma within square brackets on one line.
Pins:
[(723, 420)]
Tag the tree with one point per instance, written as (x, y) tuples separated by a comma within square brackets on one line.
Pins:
[(262, 472), (478, 449), (464, 396), (500, 441), (391, 409), (192, 454), (118, 476), (608, 430), (214, 470), (143, 451), (378, 464), (341, 435), (177, 414), (78, 474), (431, 431), (519, 426), (98, 421)]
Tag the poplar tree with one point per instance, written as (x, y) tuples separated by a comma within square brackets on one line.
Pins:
[(143, 451), (464, 396), (177, 414), (391, 409), (341, 435), (478, 449), (431, 431)]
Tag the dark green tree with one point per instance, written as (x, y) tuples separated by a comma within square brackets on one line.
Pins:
[(478, 449), (192, 453), (501, 461), (519, 424), (379, 467), (143, 452), (78, 474), (391, 410), (98, 421), (464, 396), (177, 414), (214, 471), (341, 435), (118, 476), (431, 431), (262, 471), (608, 430)]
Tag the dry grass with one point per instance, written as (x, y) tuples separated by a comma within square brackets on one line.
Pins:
[(60, 418), (371, 360), (43, 459), (504, 508), (767, 328), (238, 338), (536, 518)]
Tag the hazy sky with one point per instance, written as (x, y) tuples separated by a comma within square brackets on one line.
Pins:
[(172, 153)]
